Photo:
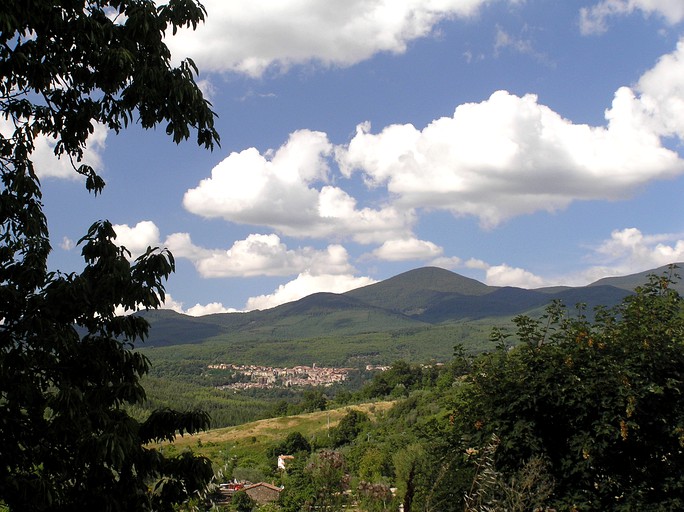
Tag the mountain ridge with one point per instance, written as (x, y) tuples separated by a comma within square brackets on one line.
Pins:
[(417, 298)]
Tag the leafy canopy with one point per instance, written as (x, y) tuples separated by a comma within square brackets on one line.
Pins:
[(67, 368), (600, 403)]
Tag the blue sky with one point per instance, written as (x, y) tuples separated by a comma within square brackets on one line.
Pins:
[(518, 142)]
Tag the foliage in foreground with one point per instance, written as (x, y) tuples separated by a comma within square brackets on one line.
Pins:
[(67, 368), (599, 402)]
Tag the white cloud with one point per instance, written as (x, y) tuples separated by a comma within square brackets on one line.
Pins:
[(510, 155), (137, 238), (209, 309), (250, 36), (67, 244), (629, 250), (474, 263), (208, 89), (197, 309), (172, 304), (496, 159), (305, 284), (251, 188), (279, 190), (495, 275), (593, 20), (259, 255), (504, 275), (504, 40), (180, 244), (450, 263), (626, 251), (500, 158), (47, 165), (325, 270), (407, 249), (662, 93)]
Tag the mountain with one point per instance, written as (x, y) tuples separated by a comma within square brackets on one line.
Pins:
[(434, 295), (412, 292), (320, 314), (631, 281), (416, 299)]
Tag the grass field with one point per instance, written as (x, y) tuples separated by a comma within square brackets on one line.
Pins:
[(249, 443)]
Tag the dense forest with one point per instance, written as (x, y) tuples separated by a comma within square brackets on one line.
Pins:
[(564, 414)]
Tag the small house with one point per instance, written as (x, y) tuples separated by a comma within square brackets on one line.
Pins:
[(263, 492)]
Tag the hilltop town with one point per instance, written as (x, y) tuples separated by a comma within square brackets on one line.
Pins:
[(263, 377)]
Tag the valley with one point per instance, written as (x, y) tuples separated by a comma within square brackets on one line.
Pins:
[(418, 317), (368, 419)]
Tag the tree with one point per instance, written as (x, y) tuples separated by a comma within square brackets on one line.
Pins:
[(314, 400), (401, 376), (372, 463), (349, 427), (407, 462), (599, 402), (67, 364), (299, 492), (294, 443), (328, 472), (529, 489)]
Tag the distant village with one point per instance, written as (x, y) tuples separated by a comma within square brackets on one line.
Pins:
[(263, 377)]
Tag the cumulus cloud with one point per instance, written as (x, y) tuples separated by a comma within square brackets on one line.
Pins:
[(179, 307), (251, 188), (494, 275), (629, 250), (511, 155), (593, 20), (326, 270), (626, 251), (197, 309), (172, 304), (47, 165), (137, 238), (306, 284), (504, 275), (287, 190), (209, 309), (503, 157), (249, 37), (662, 93), (407, 249), (259, 255), (256, 255), (447, 262)]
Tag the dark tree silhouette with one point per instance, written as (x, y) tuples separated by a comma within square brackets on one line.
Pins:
[(67, 368)]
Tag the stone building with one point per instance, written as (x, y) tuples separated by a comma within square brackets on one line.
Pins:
[(263, 492)]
